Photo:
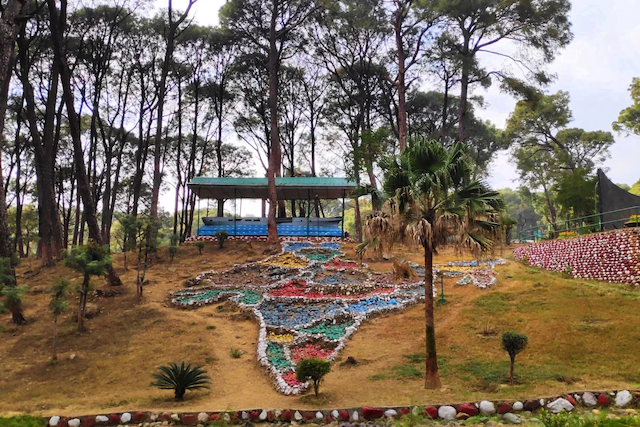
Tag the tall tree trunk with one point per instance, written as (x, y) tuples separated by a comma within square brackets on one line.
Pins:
[(432, 379), (158, 152), (45, 147), (275, 154), (179, 158), (357, 220), (9, 27), (74, 128), (401, 86), (464, 90)]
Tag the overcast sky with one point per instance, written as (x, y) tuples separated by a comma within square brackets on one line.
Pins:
[(596, 69)]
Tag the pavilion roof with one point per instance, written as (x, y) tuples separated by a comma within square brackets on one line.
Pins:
[(287, 188)]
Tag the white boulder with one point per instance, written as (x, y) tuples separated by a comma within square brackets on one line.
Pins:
[(589, 399), (53, 421), (623, 398), (559, 405), (447, 412), (487, 408)]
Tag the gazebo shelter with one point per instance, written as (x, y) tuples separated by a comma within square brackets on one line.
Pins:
[(288, 188)]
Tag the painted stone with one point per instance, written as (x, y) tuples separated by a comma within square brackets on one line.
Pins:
[(447, 412), (189, 420), (589, 399), (560, 405), (623, 398), (125, 418), (139, 416), (372, 413), (504, 407), (469, 409), (344, 415), (431, 411), (54, 421), (487, 408), (88, 422), (603, 400)]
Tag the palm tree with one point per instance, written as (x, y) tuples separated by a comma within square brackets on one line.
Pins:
[(433, 199)]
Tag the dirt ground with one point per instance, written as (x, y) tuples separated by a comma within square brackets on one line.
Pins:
[(582, 335)]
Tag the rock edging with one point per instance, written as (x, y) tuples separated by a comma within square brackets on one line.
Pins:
[(507, 409)]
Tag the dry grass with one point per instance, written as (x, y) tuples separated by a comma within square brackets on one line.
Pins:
[(583, 335)]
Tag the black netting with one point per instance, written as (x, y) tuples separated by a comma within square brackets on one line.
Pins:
[(614, 198)]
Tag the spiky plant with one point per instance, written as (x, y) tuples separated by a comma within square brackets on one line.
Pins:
[(432, 198), (180, 378)]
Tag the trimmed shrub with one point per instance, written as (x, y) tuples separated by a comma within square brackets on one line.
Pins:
[(312, 370), (513, 343)]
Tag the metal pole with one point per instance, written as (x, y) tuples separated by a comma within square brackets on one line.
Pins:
[(198, 226), (235, 203), (342, 226)]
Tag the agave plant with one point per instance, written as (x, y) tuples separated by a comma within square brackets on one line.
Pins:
[(180, 378)]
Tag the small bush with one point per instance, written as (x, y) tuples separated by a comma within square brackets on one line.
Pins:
[(173, 250), (180, 378), (236, 353), (211, 327), (221, 236), (200, 246), (312, 370), (513, 343)]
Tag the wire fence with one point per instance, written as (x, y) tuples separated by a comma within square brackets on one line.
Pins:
[(611, 220)]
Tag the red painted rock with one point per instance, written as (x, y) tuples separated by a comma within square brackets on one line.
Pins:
[(286, 415), (571, 400), (431, 411), (344, 415), (64, 422), (469, 409), (372, 413), (139, 416), (404, 411), (214, 417), (165, 416), (254, 415), (114, 419), (271, 416), (88, 422), (531, 405), (189, 420), (603, 400), (329, 419), (503, 408), (308, 415)]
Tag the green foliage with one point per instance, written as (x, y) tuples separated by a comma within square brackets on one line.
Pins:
[(211, 327), (221, 236), (312, 370), (173, 250), (514, 342), (180, 378), (200, 246), (635, 188), (90, 259), (58, 295), (236, 353), (22, 421), (629, 118), (571, 419)]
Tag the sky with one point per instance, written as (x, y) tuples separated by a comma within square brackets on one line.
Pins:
[(596, 69)]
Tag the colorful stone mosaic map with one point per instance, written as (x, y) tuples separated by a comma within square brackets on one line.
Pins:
[(308, 299)]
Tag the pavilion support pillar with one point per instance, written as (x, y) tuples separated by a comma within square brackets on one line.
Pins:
[(198, 224), (308, 211), (235, 204), (342, 222)]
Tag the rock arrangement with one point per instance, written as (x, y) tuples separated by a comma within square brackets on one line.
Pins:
[(264, 238), (613, 256), (511, 412), (308, 301)]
